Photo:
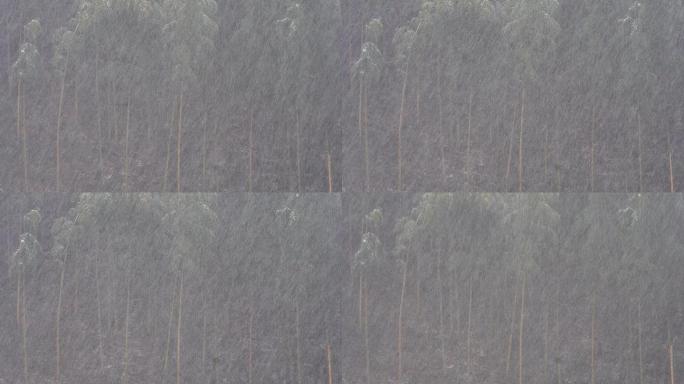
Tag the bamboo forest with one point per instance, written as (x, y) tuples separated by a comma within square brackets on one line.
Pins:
[(331, 288)]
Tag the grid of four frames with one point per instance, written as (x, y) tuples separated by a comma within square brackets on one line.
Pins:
[(341, 192)]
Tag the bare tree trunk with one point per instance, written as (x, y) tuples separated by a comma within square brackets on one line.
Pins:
[(510, 150), (520, 143), (178, 143), (249, 345), (58, 376), (23, 327), (591, 167), (298, 336), (593, 340), (520, 337), (365, 334), (641, 363), (329, 356), (250, 166), (299, 159), (466, 167), (400, 327), (329, 168), (510, 337), (441, 314), (128, 300), (168, 334), (128, 123), (99, 313), (641, 184), (470, 308), (672, 377), (59, 123), (178, 330)]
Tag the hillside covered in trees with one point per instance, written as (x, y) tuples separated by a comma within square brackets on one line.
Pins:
[(342, 288), (514, 95), (526, 288), (169, 288), (330, 95)]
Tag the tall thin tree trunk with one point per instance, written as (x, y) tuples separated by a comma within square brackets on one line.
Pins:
[(299, 158), (328, 158), (443, 139), (520, 143), (365, 333), (298, 336), (510, 337), (593, 340), (128, 123), (591, 166), (19, 289), (641, 362), (400, 127), (669, 158), (168, 333), (510, 150), (59, 124), (672, 376), (400, 327), (441, 314), (204, 153), (470, 308), (520, 337), (99, 313), (58, 376), (250, 166), (641, 184), (365, 136), (21, 126), (466, 167), (23, 327), (204, 334), (178, 143), (128, 300), (249, 345), (98, 117), (168, 150), (329, 358), (178, 330)]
